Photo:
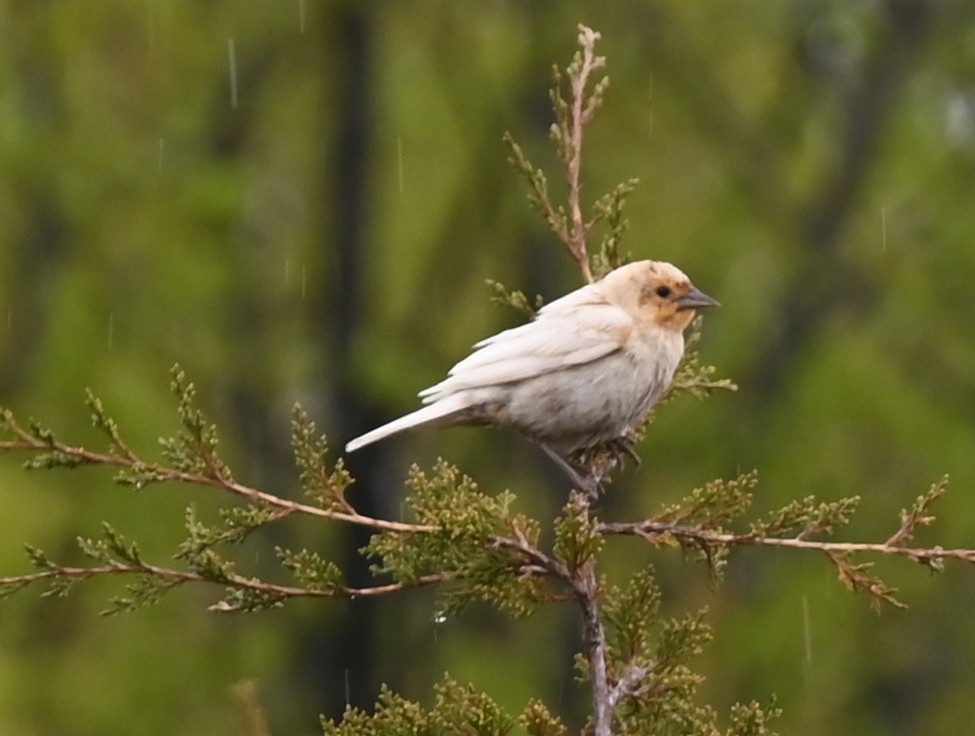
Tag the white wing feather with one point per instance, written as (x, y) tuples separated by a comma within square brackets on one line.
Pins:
[(578, 328)]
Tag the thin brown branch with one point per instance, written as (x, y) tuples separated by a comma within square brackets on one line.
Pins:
[(650, 530), (181, 577), (536, 558), (580, 116), (159, 473)]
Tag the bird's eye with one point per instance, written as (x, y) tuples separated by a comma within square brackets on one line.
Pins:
[(663, 291)]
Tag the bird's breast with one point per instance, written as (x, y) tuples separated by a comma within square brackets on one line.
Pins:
[(582, 405)]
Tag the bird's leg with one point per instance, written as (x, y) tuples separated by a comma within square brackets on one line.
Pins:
[(588, 484)]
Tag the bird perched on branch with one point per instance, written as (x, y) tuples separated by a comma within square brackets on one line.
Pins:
[(582, 374)]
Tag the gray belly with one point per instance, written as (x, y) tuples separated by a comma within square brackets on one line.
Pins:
[(581, 405)]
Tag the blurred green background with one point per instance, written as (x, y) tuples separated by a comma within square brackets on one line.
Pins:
[(301, 201)]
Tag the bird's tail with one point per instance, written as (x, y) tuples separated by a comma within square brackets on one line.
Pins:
[(437, 414)]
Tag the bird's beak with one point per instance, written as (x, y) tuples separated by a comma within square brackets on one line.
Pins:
[(696, 299)]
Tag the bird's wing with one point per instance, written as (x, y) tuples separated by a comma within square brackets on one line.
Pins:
[(578, 328)]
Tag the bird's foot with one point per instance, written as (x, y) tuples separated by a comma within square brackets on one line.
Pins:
[(589, 483), (622, 446)]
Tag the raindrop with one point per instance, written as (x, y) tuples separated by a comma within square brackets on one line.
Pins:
[(151, 26), (301, 16), (10, 319), (806, 629), (232, 59), (304, 282), (287, 271), (348, 696), (111, 330), (161, 146), (399, 158), (650, 100), (807, 642), (883, 228)]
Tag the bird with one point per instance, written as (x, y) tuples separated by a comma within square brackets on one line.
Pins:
[(584, 373)]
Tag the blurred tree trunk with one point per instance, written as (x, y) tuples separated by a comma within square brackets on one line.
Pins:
[(340, 660)]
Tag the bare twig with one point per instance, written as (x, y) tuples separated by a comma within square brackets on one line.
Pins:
[(582, 111)]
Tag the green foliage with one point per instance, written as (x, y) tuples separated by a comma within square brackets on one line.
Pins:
[(458, 709), (538, 194), (463, 546), (323, 486), (537, 720), (632, 616), (919, 515), (712, 505), (649, 661), (113, 548), (577, 537), (693, 377), (193, 450), (609, 207), (807, 517), (44, 437), (310, 570), (514, 299)]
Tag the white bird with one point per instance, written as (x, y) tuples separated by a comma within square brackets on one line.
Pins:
[(586, 370)]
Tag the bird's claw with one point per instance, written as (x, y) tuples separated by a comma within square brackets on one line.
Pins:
[(590, 468), (623, 445), (587, 480)]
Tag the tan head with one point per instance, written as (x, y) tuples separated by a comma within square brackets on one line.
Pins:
[(660, 291)]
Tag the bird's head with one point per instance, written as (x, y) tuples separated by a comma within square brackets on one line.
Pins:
[(662, 292)]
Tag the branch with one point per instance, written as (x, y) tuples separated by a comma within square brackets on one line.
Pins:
[(628, 684), (594, 637), (535, 557), (649, 530), (855, 576), (84, 456), (582, 111), (238, 582), (586, 591)]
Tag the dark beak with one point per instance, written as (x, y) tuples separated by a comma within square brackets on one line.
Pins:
[(695, 299)]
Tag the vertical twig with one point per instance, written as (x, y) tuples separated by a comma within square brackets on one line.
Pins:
[(581, 113), (585, 580), (594, 640)]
